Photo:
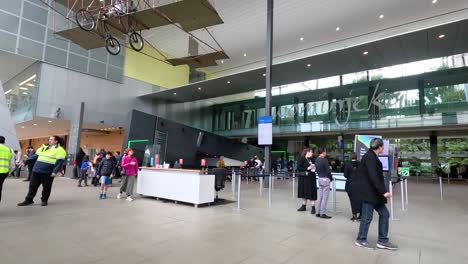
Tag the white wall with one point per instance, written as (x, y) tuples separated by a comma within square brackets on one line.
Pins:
[(104, 100)]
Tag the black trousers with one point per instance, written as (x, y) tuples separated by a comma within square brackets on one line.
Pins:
[(37, 179), (30, 167), (356, 203), (3, 176)]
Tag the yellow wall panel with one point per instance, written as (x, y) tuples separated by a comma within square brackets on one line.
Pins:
[(147, 69)]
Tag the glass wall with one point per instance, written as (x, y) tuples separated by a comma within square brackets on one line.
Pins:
[(374, 104), (28, 28), (443, 99), (21, 93)]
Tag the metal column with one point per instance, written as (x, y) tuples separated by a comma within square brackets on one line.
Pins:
[(390, 187), (269, 62), (402, 187)]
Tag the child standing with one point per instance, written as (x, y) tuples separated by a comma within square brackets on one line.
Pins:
[(105, 172), (84, 170)]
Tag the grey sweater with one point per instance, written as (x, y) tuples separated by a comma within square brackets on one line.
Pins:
[(322, 167)]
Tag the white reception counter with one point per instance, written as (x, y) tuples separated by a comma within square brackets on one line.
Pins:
[(181, 185)]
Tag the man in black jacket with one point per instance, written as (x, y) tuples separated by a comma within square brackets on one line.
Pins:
[(373, 196)]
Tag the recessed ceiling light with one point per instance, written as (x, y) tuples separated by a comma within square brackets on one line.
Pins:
[(301, 38), (264, 74), (175, 93), (441, 36), (30, 84), (24, 88), (365, 52), (222, 61), (228, 82), (308, 65), (22, 127), (199, 88), (34, 124), (50, 121), (245, 54), (434, 1), (381, 16), (25, 93), (338, 29)]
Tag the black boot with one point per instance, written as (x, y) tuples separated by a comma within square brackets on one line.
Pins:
[(313, 209), (302, 208), (25, 203)]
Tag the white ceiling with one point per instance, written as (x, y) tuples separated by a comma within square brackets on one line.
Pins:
[(244, 30), (11, 65), (41, 127)]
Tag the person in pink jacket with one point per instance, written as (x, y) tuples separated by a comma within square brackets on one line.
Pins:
[(130, 166)]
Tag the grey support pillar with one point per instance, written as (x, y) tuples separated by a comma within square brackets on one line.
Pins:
[(269, 62), (74, 137), (434, 153), (422, 106)]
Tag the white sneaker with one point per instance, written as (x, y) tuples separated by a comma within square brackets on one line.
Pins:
[(119, 196), (129, 199)]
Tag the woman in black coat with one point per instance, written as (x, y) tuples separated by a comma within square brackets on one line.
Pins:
[(350, 173), (307, 187)]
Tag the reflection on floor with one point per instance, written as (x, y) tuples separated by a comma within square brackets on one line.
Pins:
[(76, 227)]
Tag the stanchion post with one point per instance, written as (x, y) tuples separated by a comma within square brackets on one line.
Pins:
[(406, 191), (269, 192), (402, 196), (239, 192), (233, 181), (260, 185), (294, 184), (441, 190), (334, 195), (390, 187)]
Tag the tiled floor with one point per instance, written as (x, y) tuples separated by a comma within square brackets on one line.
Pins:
[(78, 228)]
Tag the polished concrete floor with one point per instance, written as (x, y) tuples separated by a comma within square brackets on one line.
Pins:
[(76, 227)]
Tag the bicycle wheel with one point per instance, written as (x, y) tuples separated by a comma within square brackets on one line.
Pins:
[(85, 20), (136, 41), (112, 45)]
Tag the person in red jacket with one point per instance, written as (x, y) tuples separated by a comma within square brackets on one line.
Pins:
[(130, 166)]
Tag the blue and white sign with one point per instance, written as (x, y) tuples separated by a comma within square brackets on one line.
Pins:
[(265, 130)]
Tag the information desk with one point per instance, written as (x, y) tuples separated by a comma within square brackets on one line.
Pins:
[(181, 185)]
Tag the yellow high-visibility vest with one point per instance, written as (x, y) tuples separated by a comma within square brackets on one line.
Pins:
[(6, 154), (50, 155)]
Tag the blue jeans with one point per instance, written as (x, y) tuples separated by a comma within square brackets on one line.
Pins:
[(367, 212)]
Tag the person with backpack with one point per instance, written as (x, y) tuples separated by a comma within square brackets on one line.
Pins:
[(350, 173)]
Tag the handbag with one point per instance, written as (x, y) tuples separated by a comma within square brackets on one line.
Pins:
[(122, 171)]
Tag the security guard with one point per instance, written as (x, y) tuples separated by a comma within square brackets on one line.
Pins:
[(6, 154), (48, 164)]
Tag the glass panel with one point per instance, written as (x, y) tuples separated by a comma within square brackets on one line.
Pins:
[(56, 40), (99, 54), (450, 98), (97, 69), (399, 104), (30, 49), (56, 56), (8, 22), (317, 111), (77, 63), (355, 77), (32, 31), (287, 115), (114, 74), (21, 94), (10, 6), (8, 41), (35, 13)]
